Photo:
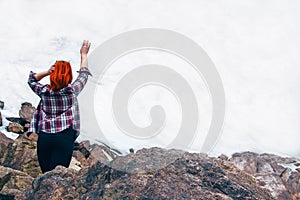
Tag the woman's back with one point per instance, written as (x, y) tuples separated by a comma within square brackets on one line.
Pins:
[(57, 119)]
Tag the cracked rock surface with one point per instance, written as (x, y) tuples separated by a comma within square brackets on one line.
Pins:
[(153, 173)]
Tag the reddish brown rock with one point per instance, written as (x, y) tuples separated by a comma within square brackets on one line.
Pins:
[(21, 155), (13, 182), (81, 159), (83, 147), (4, 143), (81, 152), (97, 154), (190, 176), (54, 185), (26, 111), (153, 173), (86, 145), (223, 157), (4, 140), (88, 154), (15, 127), (31, 136)]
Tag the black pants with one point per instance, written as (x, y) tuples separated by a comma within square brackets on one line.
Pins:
[(55, 149)]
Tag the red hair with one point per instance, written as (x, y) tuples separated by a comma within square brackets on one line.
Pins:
[(61, 76)]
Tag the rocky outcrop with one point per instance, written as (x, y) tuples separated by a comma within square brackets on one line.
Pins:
[(190, 176), (15, 127), (21, 155), (53, 185), (88, 154), (4, 143), (98, 172), (0, 119), (18, 120), (21, 125), (26, 111), (13, 182), (277, 174)]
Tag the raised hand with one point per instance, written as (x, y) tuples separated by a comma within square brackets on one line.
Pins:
[(85, 47), (51, 69)]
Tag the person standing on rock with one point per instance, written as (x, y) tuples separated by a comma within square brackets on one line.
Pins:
[(56, 119)]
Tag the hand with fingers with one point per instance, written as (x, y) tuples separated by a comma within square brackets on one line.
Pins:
[(51, 69), (83, 52), (85, 48)]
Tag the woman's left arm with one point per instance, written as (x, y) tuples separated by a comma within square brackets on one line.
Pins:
[(39, 76), (35, 77)]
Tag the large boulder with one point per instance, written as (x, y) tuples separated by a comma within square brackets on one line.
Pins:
[(13, 182), (54, 185), (5, 142), (21, 155)]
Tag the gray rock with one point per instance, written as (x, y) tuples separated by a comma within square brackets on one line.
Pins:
[(273, 172)]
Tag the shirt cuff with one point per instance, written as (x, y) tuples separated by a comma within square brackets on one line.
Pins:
[(31, 75), (85, 70)]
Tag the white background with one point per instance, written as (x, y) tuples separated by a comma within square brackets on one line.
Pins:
[(254, 45)]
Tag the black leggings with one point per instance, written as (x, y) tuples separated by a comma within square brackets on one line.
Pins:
[(55, 149)]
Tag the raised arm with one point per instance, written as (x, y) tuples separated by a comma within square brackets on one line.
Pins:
[(35, 77), (39, 76), (81, 80), (83, 53)]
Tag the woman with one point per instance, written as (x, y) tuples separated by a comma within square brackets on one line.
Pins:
[(56, 119)]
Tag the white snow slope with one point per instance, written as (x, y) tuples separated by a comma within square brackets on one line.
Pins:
[(254, 45)]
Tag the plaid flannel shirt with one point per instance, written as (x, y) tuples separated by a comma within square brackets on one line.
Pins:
[(57, 110)]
